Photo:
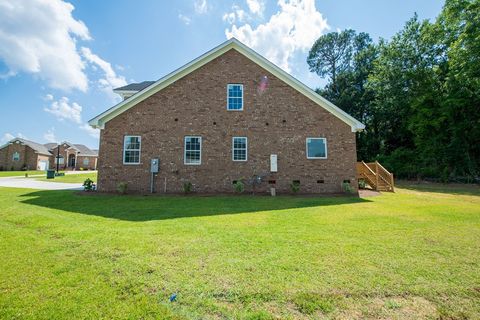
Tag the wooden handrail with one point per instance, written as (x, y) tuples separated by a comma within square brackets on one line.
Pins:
[(375, 174)]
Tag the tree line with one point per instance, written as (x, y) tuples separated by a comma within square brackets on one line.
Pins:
[(418, 93)]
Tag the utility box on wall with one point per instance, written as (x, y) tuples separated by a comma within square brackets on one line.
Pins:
[(154, 165), (273, 163)]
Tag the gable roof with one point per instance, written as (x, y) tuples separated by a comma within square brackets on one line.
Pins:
[(85, 151), (50, 145), (135, 86), (100, 120), (36, 147)]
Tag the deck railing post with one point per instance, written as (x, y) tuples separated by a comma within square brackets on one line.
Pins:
[(376, 175)]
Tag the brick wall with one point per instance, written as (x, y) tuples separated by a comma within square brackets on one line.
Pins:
[(27, 157), (276, 122)]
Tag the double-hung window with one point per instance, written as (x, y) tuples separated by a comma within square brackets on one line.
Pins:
[(192, 150), (16, 156), (86, 161), (239, 149), (235, 97), (316, 148), (131, 149)]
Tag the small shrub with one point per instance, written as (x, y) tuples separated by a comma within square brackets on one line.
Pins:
[(362, 184), (122, 187), (239, 186), (187, 187), (346, 187), (295, 186), (88, 185)]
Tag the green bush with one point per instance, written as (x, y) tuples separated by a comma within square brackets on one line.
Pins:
[(122, 187), (88, 185), (187, 187), (295, 186), (346, 187), (362, 184), (239, 186)]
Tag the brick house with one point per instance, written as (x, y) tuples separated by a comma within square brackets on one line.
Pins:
[(228, 115), (22, 154)]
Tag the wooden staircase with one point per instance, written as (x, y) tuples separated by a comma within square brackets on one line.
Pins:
[(376, 176)]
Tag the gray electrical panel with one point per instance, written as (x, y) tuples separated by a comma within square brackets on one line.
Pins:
[(154, 165)]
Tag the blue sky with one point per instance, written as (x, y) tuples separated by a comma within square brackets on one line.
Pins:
[(60, 60)]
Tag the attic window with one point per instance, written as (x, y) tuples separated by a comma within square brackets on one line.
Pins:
[(235, 97), (16, 156)]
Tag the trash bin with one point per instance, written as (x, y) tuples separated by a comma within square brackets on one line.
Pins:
[(50, 174)]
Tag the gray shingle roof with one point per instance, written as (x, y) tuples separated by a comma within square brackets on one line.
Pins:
[(50, 146), (37, 147), (135, 86), (85, 151)]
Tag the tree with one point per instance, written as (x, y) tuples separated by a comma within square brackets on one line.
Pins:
[(331, 54)]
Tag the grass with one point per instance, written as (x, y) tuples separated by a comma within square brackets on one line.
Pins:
[(20, 173), (414, 254), (72, 178)]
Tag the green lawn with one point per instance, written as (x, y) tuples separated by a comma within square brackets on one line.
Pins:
[(414, 254), (71, 178), (19, 173)]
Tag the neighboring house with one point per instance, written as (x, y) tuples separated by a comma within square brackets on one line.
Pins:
[(228, 115), (22, 154)]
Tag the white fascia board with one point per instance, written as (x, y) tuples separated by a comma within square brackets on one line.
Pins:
[(100, 120)]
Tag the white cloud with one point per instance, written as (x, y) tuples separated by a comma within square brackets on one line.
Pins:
[(200, 6), (95, 133), (110, 78), (39, 37), (49, 136), (48, 97), (256, 6), (237, 15), (64, 110), (6, 137), (186, 20), (292, 29)]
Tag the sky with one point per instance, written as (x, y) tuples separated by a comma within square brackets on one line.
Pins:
[(60, 60)]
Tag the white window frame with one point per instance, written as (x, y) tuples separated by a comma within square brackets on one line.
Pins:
[(86, 161), (316, 138), (15, 158), (233, 149), (139, 149), (185, 150), (228, 86), (60, 157)]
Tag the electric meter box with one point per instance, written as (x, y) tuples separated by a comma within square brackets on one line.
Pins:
[(154, 165)]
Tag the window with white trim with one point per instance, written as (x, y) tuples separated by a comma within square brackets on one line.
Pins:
[(235, 97), (16, 156), (131, 149), (86, 161), (316, 148), (239, 149), (193, 150), (59, 159)]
